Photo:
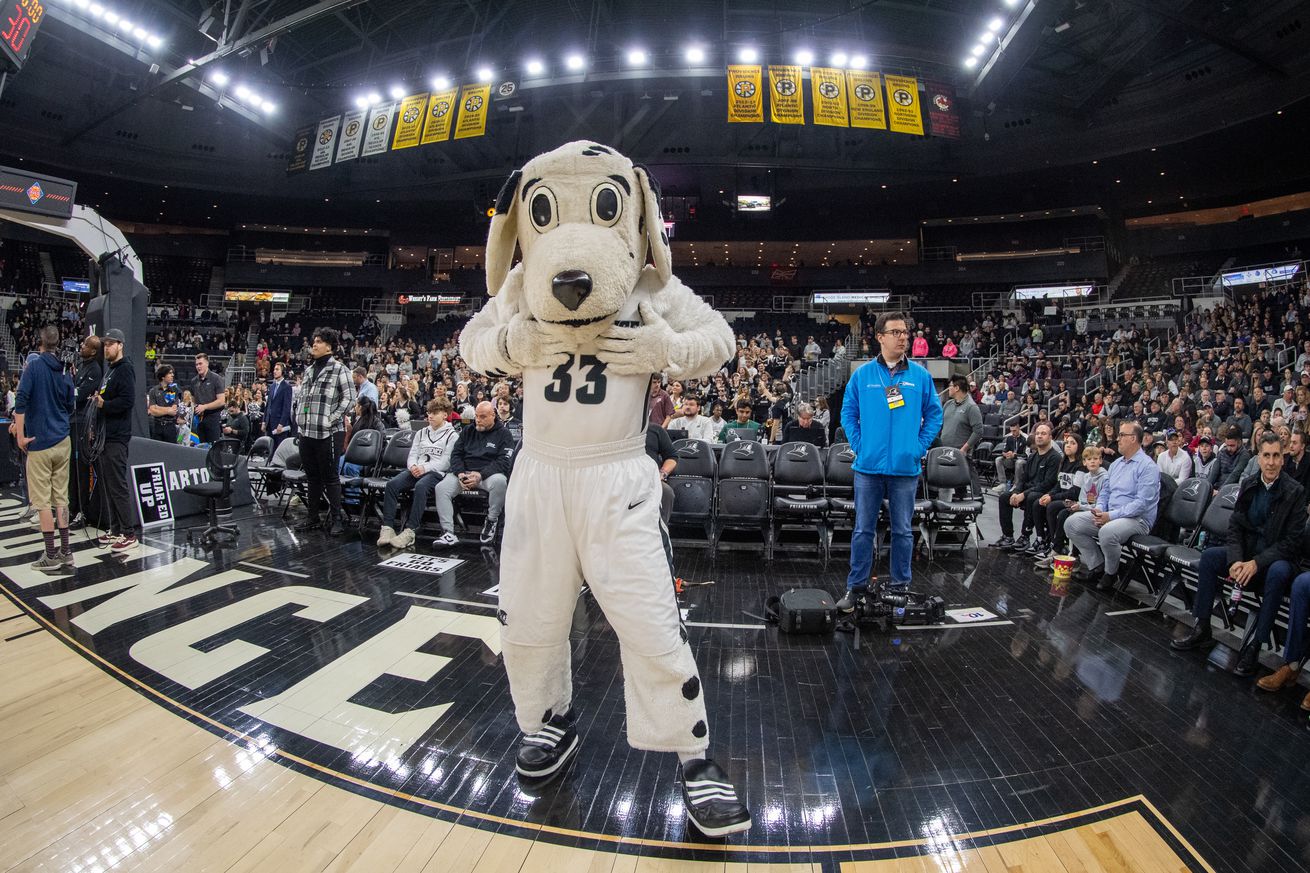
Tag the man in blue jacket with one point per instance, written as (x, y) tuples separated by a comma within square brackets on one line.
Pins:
[(41, 411), (891, 416)]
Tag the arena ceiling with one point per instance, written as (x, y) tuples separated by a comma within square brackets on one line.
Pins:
[(1077, 81)]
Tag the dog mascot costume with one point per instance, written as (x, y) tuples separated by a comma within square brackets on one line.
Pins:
[(587, 323)]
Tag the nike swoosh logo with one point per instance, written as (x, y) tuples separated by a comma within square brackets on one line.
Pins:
[(635, 505)]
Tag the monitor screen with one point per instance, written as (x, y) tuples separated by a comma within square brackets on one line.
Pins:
[(754, 203), (1054, 292), (77, 286), (1281, 272), (825, 297)]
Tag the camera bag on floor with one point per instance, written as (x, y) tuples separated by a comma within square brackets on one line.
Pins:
[(803, 611)]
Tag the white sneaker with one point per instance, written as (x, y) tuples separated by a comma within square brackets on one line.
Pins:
[(386, 536), (446, 539), (403, 540)]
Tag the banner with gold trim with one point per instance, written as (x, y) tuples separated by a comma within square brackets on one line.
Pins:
[(904, 115), (828, 95), (440, 114), (864, 94), (745, 100), (473, 102), (409, 121), (786, 105)]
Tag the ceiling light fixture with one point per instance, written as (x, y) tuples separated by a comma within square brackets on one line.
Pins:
[(804, 57), (858, 62), (440, 83), (996, 24), (695, 54), (534, 67), (396, 92), (484, 74), (636, 57), (219, 78), (748, 55), (575, 62), (970, 63), (839, 59)]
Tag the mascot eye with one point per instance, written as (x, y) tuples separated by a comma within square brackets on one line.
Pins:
[(543, 208), (606, 205)]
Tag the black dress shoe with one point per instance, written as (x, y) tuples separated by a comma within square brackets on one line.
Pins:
[(336, 527), (308, 525), (1199, 636), (543, 754), (1248, 661), (1085, 574), (1107, 582), (711, 801)]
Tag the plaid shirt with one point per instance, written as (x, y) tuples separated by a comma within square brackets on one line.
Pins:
[(324, 401)]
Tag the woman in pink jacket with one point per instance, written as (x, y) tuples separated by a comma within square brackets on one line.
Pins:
[(920, 347)]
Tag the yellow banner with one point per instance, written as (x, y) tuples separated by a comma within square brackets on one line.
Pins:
[(745, 101), (828, 93), (441, 111), (472, 111), (409, 123), (864, 93), (786, 106), (903, 111)]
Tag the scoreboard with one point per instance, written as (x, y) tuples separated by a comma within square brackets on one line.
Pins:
[(19, 22)]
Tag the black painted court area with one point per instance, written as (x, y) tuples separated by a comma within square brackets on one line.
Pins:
[(916, 735)]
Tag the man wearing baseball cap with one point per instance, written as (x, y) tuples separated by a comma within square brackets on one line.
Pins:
[(117, 394)]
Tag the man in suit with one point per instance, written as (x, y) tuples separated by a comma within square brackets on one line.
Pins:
[(277, 417)]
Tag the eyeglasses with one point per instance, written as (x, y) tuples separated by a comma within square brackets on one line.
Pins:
[(898, 334)]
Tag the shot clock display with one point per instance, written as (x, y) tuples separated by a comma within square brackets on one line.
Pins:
[(19, 22)]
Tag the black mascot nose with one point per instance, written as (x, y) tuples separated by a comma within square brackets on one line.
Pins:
[(571, 287)]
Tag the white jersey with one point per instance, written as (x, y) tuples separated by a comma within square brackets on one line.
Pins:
[(579, 403)]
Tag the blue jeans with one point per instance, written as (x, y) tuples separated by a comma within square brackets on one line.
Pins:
[(1297, 614), (402, 482), (1272, 582), (870, 490)]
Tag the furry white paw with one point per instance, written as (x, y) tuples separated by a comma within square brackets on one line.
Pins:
[(630, 351), (530, 344)]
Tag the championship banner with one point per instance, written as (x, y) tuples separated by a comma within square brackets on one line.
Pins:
[(828, 93), (352, 134), (864, 94), (472, 111), (410, 123), (436, 123), (325, 142), (943, 114), (299, 161), (377, 135), (786, 105), (904, 114), (745, 100)]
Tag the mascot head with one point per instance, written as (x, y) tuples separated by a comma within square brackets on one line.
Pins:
[(586, 220)]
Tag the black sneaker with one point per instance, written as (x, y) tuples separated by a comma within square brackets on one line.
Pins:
[(336, 526), (847, 602), (489, 527), (711, 801), (1004, 543), (1018, 545), (1038, 547), (78, 522), (545, 752), (308, 525)]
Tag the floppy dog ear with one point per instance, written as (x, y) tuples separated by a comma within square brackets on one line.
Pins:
[(653, 218), (503, 236)]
